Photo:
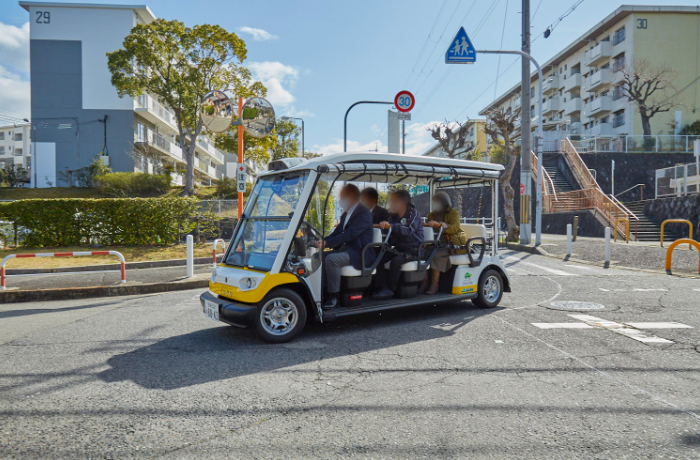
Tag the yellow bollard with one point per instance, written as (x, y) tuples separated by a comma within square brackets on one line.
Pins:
[(676, 243), (677, 221)]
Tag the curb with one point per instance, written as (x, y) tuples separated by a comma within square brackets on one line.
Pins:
[(16, 296), (542, 252), (98, 268)]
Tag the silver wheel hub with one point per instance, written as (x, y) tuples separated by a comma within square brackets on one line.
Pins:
[(492, 288), (279, 316)]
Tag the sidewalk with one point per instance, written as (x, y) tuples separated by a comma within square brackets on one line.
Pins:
[(640, 255)]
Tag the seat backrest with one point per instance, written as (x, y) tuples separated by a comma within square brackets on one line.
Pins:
[(377, 235), (428, 234), (473, 230)]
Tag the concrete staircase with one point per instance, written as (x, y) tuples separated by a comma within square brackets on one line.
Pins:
[(648, 230), (561, 184)]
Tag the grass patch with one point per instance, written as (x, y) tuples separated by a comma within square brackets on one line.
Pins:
[(131, 254)]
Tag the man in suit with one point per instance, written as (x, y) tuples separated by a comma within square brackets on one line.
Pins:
[(353, 233), (370, 198)]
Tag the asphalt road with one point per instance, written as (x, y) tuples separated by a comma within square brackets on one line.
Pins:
[(151, 377)]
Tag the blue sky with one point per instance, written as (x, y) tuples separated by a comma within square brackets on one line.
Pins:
[(318, 57)]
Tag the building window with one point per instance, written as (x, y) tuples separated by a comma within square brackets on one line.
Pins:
[(619, 118), (618, 93), (532, 111), (2, 135), (18, 152), (2, 150), (18, 136), (29, 162), (532, 93), (619, 36), (619, 63)]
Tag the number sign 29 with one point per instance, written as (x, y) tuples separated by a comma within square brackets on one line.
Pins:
[(43, 17), (404, 101)]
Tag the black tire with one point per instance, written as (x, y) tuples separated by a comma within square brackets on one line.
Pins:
[(273, 307), (486, 297)]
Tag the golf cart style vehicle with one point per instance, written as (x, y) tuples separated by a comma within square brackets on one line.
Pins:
[(272, 274)]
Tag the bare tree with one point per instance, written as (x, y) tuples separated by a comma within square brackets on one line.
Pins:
[(452, 138), (500, 127), (646, 85)]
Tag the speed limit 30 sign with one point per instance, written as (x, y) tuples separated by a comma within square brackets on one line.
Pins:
[(404, 101)]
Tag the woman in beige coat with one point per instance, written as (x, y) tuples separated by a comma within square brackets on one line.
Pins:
[(445, 216)]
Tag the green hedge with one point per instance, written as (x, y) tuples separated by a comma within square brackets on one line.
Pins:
[(122, 184), (121, 221)]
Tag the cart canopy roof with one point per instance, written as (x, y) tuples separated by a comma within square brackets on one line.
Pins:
[(394, 168)]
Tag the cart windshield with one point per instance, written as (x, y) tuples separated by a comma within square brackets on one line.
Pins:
[(266, 219)]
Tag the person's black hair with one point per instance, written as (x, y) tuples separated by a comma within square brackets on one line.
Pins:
[(371, 192), (353, 190), (402, 195)]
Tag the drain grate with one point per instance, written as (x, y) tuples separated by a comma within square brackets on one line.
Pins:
[(577, 305)]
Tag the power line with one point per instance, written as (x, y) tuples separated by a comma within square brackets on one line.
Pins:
[(498, 67), (571, 9), (425, 43), (486, 89)]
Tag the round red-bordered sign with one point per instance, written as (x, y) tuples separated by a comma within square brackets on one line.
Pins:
[(404, 101), (522, 189)]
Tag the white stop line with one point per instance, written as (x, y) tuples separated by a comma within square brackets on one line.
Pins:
[(631, 330)]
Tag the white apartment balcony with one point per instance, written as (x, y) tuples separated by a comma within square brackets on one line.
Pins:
[(550, 105), (573, 105), (159, 143), (572, 82), (152, 110), (599, 53), (205, 169), (601, 105), (601, 129), (550, 84), (575, 127), (599, 80), (517, 102), (516, 124), (204, 146)]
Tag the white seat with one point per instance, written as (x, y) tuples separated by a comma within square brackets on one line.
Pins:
[(376, 235), (428, 234), (472, 230), (349, 270), (459, 259)]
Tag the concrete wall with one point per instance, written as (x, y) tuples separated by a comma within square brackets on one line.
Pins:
[(631, 169), (684, 207)]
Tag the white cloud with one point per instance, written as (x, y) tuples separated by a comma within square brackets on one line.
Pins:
[(14, 94), (14, 47), (353, 146), (275, 76), (259, 35), (418, 138), (293, 112)]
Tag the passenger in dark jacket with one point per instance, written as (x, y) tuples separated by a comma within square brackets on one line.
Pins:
[(353, 233), (406, 236), (370, 199)]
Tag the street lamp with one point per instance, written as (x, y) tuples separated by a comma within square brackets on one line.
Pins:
[(285, 118)]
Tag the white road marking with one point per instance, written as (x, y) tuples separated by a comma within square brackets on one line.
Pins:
[(620, 328), (562, 325), (604, 290), (649, 290), (578, 266), (671, 325), (553, 271), (629, 386)]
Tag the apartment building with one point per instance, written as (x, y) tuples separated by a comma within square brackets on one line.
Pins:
[(582, 92), (475, 141), (15, 145), (77, 112)]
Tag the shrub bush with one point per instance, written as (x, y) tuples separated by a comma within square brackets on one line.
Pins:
[(122, 184), (74, 221)]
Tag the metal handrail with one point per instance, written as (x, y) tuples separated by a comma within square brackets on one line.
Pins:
[(533, 166), (641, 195)]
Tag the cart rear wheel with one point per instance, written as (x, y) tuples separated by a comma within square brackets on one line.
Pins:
[(490, 289), (281, 316)]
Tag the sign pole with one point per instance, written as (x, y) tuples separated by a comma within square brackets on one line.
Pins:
[(240, 153)]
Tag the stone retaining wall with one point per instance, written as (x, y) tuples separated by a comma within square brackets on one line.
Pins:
[(682, 207)]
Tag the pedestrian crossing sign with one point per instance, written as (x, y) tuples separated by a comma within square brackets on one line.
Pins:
[(461, 50)]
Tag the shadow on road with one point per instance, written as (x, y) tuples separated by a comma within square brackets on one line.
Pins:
[(39, 311), (220, 353)]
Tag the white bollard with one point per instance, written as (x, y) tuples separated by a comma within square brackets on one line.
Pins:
[(607, 246), (568, 240), (190, 256)]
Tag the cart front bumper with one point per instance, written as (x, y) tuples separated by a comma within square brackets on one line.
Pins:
[(230, 312)]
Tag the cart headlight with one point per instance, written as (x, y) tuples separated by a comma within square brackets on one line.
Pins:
[(246, 284)]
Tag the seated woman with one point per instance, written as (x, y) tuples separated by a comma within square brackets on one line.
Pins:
[(445, 216)]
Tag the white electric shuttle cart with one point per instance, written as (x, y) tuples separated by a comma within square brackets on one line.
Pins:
[(271, 276)]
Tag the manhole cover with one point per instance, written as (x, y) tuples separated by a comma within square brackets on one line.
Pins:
[(577, 305)]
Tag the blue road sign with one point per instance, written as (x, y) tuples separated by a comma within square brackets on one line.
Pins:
[(461, 50)]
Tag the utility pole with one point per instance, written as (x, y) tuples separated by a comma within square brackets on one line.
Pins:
[(403, 137), (525, 174)]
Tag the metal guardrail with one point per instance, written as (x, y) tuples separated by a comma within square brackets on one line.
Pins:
[(677, 221), (636, 144), (61, 254), (682, 179), (669, 251)]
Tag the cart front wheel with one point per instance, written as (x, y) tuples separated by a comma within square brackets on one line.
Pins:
[(281, 316), (490, 289)]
